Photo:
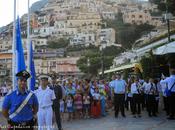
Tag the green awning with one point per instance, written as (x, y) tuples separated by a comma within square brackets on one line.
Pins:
[(119, 68)]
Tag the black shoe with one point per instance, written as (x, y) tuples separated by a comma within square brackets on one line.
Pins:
[(134, 116), (139, 116), (171, 118), (154, 115), (123, 115), (116, 116)]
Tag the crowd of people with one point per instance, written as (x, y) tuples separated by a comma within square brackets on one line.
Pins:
[(4, 89), (84, 98), (93, 98)]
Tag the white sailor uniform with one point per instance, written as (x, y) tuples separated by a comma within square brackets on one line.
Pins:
[(45, 112)]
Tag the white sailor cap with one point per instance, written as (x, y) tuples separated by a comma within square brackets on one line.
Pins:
[(43, 76)]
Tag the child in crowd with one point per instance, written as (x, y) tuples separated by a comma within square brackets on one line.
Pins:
[(103, 100), (78, 104), (86, 105), (96, 108), (69, 104), (62, 108)]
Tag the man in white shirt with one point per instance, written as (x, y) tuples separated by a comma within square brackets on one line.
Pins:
[(165, 98), (45, 98), (119, 87), (136, 91), (170, 81), (150, 90)]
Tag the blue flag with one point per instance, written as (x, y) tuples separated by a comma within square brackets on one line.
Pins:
[(20, 62), (32, 69)]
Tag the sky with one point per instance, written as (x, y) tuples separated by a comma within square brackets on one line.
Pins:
[(7, 7)]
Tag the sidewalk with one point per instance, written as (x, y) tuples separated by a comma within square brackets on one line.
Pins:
[(111, 123), (128, 123)]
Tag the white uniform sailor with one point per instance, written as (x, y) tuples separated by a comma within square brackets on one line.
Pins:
[(45, 98)]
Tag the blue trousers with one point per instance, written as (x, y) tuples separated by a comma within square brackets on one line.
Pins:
[(103, 102)]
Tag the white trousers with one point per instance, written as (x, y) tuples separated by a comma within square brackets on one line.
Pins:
[(45, 118)]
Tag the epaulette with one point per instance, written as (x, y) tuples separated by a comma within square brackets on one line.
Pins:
[(9, 93)]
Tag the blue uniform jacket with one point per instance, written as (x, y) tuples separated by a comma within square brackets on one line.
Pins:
[(13, 100)]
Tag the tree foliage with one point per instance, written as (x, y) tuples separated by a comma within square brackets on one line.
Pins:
[(127, 34), (58, 43), (162, 5), (94, 62), (95, 57), (146, 63), (134, 32)]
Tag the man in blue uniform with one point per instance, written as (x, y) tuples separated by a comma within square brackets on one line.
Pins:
[(20, 106)]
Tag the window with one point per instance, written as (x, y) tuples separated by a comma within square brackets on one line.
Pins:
[(133, 16)]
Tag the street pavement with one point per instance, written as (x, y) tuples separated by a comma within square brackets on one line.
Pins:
[(120, 123)]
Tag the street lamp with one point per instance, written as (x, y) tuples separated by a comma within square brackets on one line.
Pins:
[(102, 47), (167, 17), (88, 65)]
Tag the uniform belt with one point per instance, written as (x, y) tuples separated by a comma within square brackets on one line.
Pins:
[(44, 107), (119, 93), (24, 123), (151, 94)]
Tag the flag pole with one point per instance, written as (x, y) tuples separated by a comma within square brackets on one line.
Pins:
[(13, 49), (28, 42), (32, 69)]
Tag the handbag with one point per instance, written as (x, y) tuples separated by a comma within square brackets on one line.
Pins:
[(168, 91)]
